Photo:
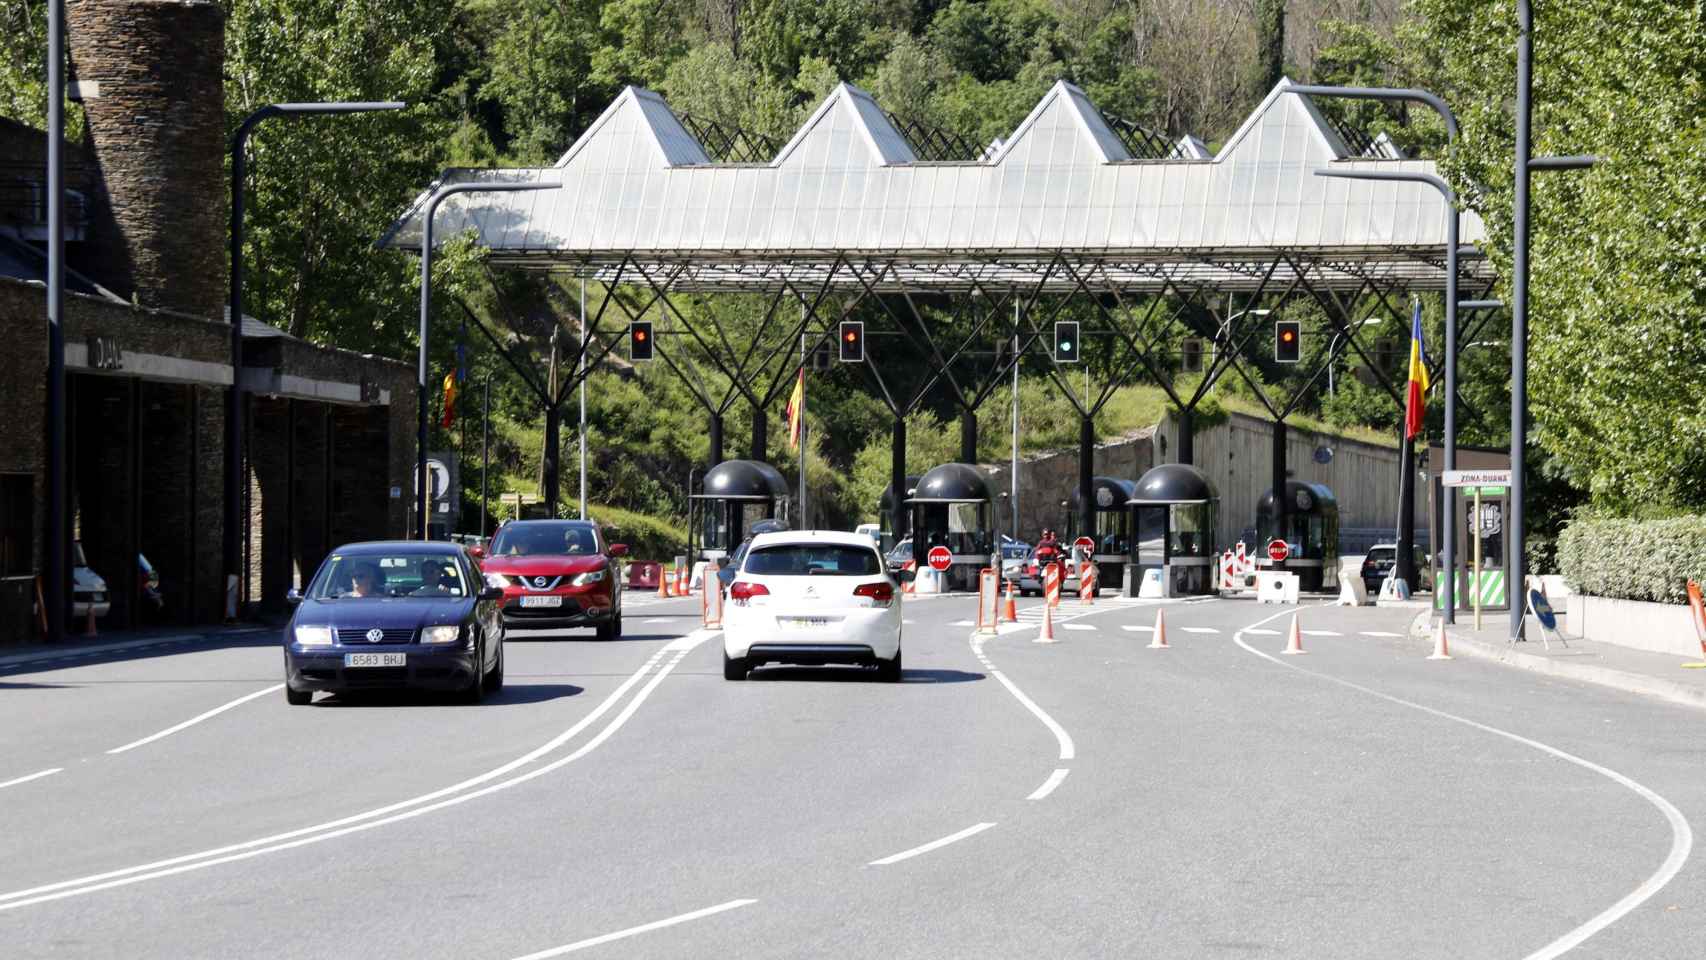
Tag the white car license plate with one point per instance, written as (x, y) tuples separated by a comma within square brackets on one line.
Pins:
[(541, 601), (375, 659), (809, 622)]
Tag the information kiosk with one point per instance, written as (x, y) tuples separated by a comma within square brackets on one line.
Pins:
[(1311, 534), (1172, 514), (734, 495), (951, 508)]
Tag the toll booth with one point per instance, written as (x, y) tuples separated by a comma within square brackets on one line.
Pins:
[(1172, 510), (885, 514), (1491, 586), (734, 495), (1112, 535), (1312, 533), (951, 507)]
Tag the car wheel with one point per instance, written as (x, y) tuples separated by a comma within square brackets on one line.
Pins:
[(297, 698), (888, 671), (734, 668), (476, 689), (495, 679)]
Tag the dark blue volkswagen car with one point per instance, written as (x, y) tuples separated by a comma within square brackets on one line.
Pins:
[(395, 614)]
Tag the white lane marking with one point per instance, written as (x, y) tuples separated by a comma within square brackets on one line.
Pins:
[(216, 711), (1067, 750), (1199, 629), (962, 623), (1682, 836), (1320, 633), (1137, 629), (932, 845), (1048, 786), (642, 928), (34, 776), (1078, 626), (1260, 633), (658, 620), (1381, 633), (314, 834), (909, 622)]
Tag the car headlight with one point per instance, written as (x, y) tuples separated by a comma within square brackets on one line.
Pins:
[(444, 634), (497, 580), (586, 578), (313, 636)]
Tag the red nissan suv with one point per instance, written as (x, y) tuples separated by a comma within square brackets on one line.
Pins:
[(557, 575)]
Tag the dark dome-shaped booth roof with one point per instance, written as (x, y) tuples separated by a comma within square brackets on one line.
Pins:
[(1320, 496), (951, 483), (1110, 493), (1173, 483), (887, 502), (743, 480)]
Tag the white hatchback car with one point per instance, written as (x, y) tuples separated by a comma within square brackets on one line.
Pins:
[(812, 597)]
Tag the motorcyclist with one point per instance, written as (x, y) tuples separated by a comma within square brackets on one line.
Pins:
[(1048, 551)]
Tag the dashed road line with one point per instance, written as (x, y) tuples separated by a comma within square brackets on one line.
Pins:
[(1199, 629), (970, 831), (1382, 634), (34, 776), (1078, 626), (216, 711), (642, 928)]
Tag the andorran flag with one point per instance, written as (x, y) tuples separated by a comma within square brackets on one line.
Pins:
[(1416, 396), (449, 401), (797, 410)]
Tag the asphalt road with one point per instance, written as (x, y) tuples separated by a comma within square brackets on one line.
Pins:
[(1088, 798)]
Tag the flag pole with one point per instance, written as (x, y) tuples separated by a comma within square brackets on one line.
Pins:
[(800, 416)]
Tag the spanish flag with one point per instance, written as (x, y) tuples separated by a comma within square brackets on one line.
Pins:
[(797, 410), (1416, 395), (449, 401)]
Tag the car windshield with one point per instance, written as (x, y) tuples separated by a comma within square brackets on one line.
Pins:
[(403, 573), (800, 559), (547, 538)]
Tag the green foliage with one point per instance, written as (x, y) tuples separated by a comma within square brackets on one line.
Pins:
[(1618, 289), (1269, 64), (1649, 560), (647, 538)]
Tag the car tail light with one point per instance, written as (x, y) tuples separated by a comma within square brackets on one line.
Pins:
[(881, 594), (741, 591)]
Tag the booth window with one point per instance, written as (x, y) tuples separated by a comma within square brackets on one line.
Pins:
[(1111, 531), (1189, 536), (1151, 537), (17, 524)]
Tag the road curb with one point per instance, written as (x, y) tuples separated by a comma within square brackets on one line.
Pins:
[(1421, 628)]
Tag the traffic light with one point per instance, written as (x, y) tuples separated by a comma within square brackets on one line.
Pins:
[(640, 340), (1066, 341), (852, 341), (1288, 343)]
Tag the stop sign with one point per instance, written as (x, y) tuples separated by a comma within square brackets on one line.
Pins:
[(940, 558), (1278, 550), (1085, 544)]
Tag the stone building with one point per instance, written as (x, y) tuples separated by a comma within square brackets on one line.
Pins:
[(329, 434)]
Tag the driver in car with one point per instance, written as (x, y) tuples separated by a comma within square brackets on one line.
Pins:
[(438, 580)]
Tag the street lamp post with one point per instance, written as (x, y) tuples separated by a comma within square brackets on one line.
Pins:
[(431, 208), (1448, 532), (234, 518), (57, 568)]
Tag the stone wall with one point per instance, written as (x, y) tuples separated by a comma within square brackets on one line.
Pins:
[(154, 96)]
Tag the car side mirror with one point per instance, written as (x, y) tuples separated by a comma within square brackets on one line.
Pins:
[(479, 553), (618, 550), (905, 576), (293, 596), (492, 593)]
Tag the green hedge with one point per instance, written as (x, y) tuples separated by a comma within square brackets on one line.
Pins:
[(1634, 559)]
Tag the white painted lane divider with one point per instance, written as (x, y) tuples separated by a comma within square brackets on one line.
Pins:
[(1252, 631), (634, 931), (34, 776), (1682, 835), (1320, 633), (1199, 629), (1382, 634), (1048, 786), (1079, 626), (216, 711), (381, 815), (970, 831), (1136, 628)]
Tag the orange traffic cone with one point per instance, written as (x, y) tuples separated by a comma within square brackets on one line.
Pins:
[(1294, 641), (681, 581), (1441, 649), (1047, 634), (663, 582), (1160, 640), (1011, 613)]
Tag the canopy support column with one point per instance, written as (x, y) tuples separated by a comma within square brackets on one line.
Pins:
[(1187, 447), (1281, 504), (897, 479), (968, 436), (1086, 476), (760, 435), (552, 459), (715, 453)]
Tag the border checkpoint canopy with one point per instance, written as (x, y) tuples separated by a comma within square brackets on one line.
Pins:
[(743, 480)]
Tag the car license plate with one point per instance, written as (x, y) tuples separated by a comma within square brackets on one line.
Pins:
[(375, 659), (804, 621), (541, 601)]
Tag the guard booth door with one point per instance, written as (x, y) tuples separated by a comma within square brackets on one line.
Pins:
[(1491, 586)]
